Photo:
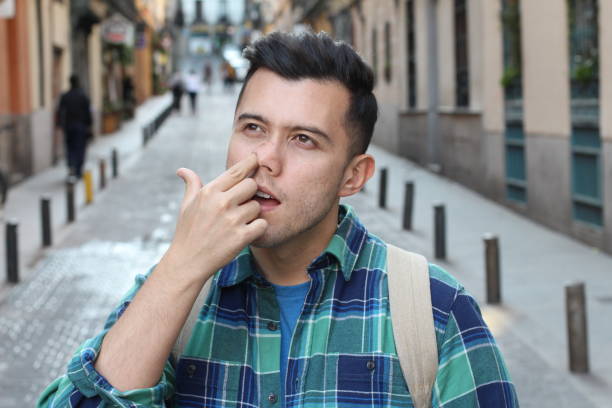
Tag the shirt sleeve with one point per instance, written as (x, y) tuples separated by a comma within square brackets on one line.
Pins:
[(82, 385), (471, 371)]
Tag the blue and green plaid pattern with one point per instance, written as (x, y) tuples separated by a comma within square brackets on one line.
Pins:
[(342, 351)]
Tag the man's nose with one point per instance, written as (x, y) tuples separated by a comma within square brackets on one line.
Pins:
[(269, 155)]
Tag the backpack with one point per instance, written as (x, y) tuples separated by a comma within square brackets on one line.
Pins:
[(411, 315)]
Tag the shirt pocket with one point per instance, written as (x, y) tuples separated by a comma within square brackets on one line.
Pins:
[(208, 383), (361, 380)]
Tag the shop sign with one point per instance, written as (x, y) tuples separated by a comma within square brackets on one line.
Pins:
[(7, 8), (118, 30)]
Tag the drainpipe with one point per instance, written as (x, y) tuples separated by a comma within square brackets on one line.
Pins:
[(433, 160)]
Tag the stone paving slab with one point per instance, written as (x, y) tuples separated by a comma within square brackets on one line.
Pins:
[(68, 300)]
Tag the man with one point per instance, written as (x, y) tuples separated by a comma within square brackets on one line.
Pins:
[(177, 87), (298, 313), (74, 117), (192, 84), (207, 76)]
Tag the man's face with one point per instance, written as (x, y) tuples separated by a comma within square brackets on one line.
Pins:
[(297, 129)]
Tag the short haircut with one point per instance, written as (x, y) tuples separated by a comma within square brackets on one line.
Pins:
[(74, 81), (296, 56)]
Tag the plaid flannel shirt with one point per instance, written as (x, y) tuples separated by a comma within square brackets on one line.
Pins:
[(342, 351)]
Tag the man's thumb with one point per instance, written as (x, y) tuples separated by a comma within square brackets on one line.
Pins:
[(193, 184)]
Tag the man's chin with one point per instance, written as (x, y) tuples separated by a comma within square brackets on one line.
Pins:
[(269, 240), (263, 242)]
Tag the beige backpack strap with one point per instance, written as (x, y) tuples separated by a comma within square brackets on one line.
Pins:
[(185, 334), (412, 319)]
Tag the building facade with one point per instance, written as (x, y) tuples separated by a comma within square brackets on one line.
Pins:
[(35, 54), (503, 96), (43, 42)]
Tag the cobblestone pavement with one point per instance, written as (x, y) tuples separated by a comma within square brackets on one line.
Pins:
[(75, 286), (67, 301)]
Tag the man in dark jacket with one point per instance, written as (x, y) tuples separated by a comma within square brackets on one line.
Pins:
[(74, 117)]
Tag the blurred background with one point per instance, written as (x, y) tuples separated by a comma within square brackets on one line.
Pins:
[(495, 122)]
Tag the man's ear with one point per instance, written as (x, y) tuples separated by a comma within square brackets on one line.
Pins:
[(357, 173)]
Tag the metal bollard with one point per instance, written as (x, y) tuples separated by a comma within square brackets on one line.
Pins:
[(115, 163), (88, 183), (12, 253), (575, 307), (492, 268), (45, 222), (145, 136), (439, 231), (70, 207), (408, 202), (102, 174), (382, 191)]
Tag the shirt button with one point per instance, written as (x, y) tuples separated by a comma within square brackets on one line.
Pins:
[(191, 369), (272, 398), (272, 326), (371, 365)]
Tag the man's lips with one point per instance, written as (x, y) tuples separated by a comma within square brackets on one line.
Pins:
[(268, 201), (266, 192)]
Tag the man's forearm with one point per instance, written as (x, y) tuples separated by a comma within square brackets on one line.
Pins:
[(135, 350)]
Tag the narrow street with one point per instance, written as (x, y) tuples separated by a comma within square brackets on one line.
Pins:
[(73, 287)]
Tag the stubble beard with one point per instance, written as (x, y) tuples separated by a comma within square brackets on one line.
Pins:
[(309, 215)]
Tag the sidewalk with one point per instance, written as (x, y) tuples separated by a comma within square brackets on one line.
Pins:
[(23, 204)]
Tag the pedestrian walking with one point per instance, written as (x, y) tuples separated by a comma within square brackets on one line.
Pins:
[(74, 118), (192, 85), (177, 86), (229, 75), (272, 292), (207, 76), (129, 101)]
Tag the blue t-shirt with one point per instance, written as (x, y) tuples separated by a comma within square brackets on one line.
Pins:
[(290, 301)]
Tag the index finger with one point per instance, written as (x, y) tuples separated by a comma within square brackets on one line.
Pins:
[(235, 174)]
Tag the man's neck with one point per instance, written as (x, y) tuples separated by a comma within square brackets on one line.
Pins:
[(286, 264)]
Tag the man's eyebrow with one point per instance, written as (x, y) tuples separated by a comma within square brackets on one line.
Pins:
[(253, 116)]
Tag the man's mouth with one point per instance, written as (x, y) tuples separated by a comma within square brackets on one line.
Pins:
[(266, 200)]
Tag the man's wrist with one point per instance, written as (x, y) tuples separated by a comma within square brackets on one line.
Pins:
[(179, 274)]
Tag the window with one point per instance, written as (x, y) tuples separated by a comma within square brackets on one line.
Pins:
[(388, 63), (587, 201), (41, 53), (462, 79), (375, 53), (516, 174), (343, 26), (411, 53)]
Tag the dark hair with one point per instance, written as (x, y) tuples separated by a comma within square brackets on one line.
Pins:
[(74, 81), (317, 56)]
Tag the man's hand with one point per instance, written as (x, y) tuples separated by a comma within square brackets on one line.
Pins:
[(216, 221)]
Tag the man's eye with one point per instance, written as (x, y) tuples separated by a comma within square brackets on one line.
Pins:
[(304, 139), (252, 127)]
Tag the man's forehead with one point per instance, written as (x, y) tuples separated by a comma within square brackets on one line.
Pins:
[(269, 95)]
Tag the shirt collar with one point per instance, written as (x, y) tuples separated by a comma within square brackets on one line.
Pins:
[(344, 247)]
